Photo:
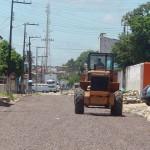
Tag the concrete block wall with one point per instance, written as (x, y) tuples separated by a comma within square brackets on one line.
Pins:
[(135, 77)]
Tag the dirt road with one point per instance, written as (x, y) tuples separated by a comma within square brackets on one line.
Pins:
[(48, 122)]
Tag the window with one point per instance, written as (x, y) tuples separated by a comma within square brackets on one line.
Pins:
[(102, 59), (50, 82)]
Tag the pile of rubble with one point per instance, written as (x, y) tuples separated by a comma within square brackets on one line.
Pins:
[(133, 104), (131, 97), (141, 109)]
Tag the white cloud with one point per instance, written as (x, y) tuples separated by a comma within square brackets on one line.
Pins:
[(109, 19)]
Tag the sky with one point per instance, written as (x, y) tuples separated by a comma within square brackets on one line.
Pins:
[(74, 27)]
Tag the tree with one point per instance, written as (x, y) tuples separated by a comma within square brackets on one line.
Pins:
[(123, 52), (71, 66), (16, 60), (73, 79), (81, 60), (76, 67), (134, 47)]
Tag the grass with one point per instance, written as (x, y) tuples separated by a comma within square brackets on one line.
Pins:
[(9, 95)]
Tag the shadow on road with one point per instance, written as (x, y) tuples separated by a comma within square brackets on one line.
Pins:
[(102, 114), (105, 113), (5, 104)]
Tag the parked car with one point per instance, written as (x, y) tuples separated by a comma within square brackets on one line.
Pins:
[(145, 95), (40, 88)]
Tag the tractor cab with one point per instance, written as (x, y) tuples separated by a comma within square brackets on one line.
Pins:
[(100, 61)]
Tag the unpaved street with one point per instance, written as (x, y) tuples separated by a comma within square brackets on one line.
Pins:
[(48, 122)]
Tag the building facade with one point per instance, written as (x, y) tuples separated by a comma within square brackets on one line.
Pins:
[(105, 44)]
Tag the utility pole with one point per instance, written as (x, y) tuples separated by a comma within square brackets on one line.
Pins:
[(47, 39), (41, 66), (30, 65), (47, 35), (24, 41), (10, 44), (125, 26), (37, 63)]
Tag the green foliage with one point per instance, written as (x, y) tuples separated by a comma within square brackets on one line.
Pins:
[(134, 47), (27, 57), (16, 60), (76, 67), (81, 60), (73, 79), (9, 95), (62, 77), (123, 52), (71, 66)]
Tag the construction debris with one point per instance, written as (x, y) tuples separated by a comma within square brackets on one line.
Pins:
[(141, 109), (131, 97)]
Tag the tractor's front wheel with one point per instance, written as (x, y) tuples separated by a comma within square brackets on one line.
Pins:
[(116, 109), (79, 103), (148, 102)]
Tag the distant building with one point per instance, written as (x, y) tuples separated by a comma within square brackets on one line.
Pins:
[(50, 76), (106, 44)]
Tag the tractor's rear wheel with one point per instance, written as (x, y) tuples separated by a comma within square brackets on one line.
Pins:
[(79, 102), (116, 109)]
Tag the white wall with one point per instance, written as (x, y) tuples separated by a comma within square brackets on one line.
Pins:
[(131, 78), (120, 79)]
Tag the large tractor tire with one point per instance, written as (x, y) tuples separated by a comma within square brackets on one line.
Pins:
[(79, 101), (148, 102), (116, 109)]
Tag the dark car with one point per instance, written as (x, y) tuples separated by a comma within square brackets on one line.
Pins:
[(145, 95)]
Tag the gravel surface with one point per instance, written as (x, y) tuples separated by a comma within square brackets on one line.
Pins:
[(48, 122)]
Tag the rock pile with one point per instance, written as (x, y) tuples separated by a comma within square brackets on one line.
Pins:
[(131, 97), (141, 109), (133, 104)]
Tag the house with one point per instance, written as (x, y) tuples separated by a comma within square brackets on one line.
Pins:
[(106, 44)]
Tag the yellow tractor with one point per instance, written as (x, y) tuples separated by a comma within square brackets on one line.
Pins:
[(98, 85)]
